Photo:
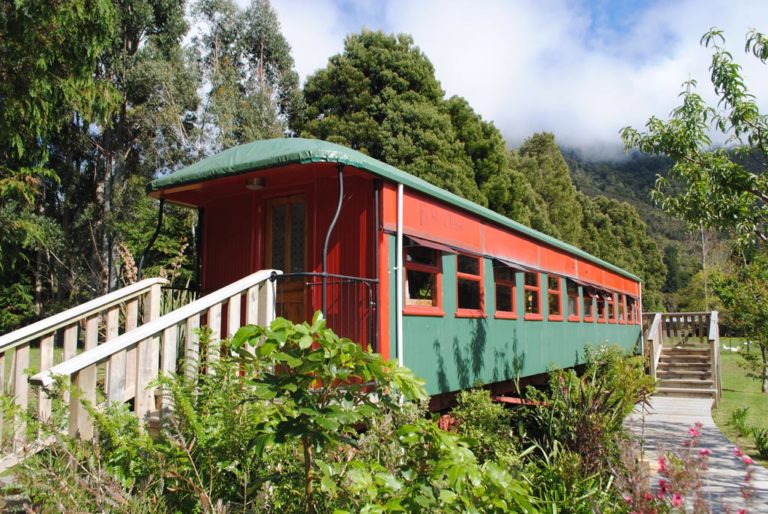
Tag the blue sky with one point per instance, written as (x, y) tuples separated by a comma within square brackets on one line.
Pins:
[(581, 69)]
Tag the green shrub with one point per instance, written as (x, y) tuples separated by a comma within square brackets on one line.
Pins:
[(585, 413), (486, 426), (761, 441), (293, 420), (738, 420)]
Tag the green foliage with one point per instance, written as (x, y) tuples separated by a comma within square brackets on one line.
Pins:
[(584, 413), (738, 421), (561, 484), (745, 294), (761, 441), (711, 187), (290, 419), (487, 427), (248, 64)]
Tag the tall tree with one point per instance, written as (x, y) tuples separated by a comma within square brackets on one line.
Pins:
[(544, 167), (247, 66), (714, 188), (380, 96)]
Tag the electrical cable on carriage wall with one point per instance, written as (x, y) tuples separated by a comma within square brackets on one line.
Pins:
[(328, 238)]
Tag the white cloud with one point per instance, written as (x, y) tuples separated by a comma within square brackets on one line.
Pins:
[(541, 65)]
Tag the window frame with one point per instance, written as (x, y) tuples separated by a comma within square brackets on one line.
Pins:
[(602, 317), (512, 284), (436, 309), (589, 293), (577, 315), (464, 312), (533, 316), (612, 311), (622, 309), (555, 292)]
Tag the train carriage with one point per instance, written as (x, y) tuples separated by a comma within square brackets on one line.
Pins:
[(454, 291)]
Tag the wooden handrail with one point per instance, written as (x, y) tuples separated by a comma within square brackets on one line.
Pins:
[(75, 314), (655, 335), (104, 351)]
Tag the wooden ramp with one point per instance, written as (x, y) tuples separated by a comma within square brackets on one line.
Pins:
[(666, 426), (112, 349)]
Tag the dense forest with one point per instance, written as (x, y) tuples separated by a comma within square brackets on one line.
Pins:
[(74, 219)]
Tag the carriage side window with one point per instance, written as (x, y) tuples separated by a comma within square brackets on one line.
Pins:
[(554, 298), (532, 295), (589, 308), (611, 307), (504, 279), (572, 290), (632, 310), (469, 278), (622, 311), (601, 310), (422, 280)]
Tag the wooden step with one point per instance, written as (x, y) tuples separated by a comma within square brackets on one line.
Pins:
[(685, 351), (684, 358), (690, 374), (685, 392), (678, 366), (686, 383)]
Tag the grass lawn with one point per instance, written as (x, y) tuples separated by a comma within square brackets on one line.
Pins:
[(740, 391)]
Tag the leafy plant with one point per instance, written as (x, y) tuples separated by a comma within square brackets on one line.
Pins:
[(761, 441), (584, 413), (738, 420)]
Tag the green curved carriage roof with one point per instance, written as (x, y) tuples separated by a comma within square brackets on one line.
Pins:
[(274, 153)]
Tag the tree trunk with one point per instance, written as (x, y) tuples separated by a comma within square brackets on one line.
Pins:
[(764, 353), (310, 504)]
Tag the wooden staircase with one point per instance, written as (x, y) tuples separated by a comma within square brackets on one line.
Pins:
[(686, 372), (683, 352)]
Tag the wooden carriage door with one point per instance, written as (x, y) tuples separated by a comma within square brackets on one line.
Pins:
[(286, 250)]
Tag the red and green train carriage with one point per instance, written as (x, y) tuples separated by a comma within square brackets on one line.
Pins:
[(456, 292)]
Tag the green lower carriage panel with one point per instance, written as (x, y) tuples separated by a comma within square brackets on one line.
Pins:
[(453, 353)]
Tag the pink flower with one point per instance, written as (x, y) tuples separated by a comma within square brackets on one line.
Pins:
[(741, 511), (737, 452), (694, 431), (705, 452), (662, 464), (746, 459), (699, 424), (677, 500), (663, 486), (628, 499)]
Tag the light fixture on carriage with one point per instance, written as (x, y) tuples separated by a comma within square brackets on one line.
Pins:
[(255, 183)]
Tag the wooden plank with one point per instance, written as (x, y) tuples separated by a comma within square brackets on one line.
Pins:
[(252, 306), (233, 315), (111, 332), (266, 312), (91, 339), (191, 346), (20, 391), (116, 369), (148, 359), (2, 391), (168, 361), (84, 389), (46, 362), (131, 322), (214, 323)]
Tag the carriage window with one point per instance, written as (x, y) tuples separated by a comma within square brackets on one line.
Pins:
[(622, 309), (589, 308), (611, 308), (504, 278), (422, 280), (532, 295), (632, 310), (572, 290), (554, 298), (469, 283), (601, 308)]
